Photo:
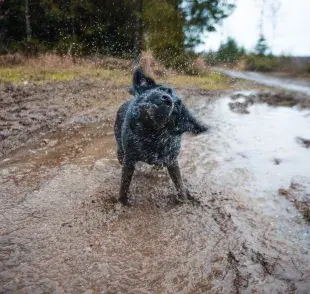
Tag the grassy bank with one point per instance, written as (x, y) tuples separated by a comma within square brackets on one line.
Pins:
[(287, 66), (47, 69), (24, 74)]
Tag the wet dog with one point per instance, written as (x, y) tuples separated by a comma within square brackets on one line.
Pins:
[(149, 127)]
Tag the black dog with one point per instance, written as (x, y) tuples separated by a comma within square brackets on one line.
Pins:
[(149, 127)]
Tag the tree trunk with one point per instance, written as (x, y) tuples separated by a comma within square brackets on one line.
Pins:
[(72, 28), (27, 20), (138, 30)]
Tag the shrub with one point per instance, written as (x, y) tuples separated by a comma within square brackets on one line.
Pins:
[(230, 51), (151, 65), (308, 68), (259, 63)]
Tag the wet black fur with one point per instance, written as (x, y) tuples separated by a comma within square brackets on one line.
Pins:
[(149, 127)]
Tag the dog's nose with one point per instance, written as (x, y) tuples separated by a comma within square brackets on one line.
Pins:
[(167, 99)]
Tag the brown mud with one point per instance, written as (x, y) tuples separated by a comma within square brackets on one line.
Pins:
[(285, 99), (299, 196), (61, 230), (29, 110)]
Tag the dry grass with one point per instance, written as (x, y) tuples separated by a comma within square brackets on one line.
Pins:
[(24, 75), (209, 81), (47, 60), (21, 70), (63, 61)]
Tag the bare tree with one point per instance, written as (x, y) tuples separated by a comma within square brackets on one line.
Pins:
[(3, 30), (274, 8), (262, 16), (138, 30), (27, 20), (270, 10)]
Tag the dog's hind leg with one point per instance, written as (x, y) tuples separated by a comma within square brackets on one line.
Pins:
[(127, 172), (175, 174), (120, 156)]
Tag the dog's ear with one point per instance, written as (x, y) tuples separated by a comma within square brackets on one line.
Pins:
[(141, 82), (188, 123)]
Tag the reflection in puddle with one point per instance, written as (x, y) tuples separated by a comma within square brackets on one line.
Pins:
[(255, 153)]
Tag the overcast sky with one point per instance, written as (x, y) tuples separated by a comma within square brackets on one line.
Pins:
[(292, 35)]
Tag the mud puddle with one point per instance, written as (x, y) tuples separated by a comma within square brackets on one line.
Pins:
[(62, 232), (256, 153)]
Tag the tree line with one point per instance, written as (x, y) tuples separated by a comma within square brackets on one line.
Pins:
[(230, 51), (169, 28), (260, 58)]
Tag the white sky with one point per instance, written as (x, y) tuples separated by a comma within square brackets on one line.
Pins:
[(292, 35)]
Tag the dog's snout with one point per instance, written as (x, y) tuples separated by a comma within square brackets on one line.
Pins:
[(167, 99)]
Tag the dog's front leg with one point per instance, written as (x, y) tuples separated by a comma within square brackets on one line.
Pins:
[(127, 172), (175, 174)]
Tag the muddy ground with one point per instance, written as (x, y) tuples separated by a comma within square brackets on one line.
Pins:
[(63, 232)]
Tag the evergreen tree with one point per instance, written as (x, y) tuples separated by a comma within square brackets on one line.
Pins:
[(261, 48), (230, 51), (170, 28)]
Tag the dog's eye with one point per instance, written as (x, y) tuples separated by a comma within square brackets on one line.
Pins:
[(166, 90)]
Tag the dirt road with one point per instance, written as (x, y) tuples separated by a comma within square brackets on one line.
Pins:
[(62, 232), (267, 80)]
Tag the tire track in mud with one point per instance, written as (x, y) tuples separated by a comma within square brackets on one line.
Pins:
[(29, 111)]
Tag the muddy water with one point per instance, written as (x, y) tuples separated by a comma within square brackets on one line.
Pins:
[(62, 232), (257, 153), (262, 146)]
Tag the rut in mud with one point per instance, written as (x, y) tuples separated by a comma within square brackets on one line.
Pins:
[(63, 232), (27, 111)]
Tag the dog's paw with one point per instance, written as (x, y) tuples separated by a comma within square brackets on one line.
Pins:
[(124, 201), (192, 199), (186, 197), (179, 198)]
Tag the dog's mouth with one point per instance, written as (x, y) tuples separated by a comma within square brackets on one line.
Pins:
[(158, 114)]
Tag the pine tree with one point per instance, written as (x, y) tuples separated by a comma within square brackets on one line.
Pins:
[(170, 28), (230, 51), (261, 48)]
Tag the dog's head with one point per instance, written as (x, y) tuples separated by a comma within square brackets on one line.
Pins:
[(158, 106)]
